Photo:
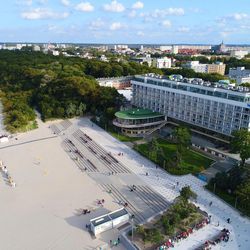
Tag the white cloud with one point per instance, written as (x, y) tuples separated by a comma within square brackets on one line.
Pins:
[(43, 13), (116, 26), (138, 5), (25, 2), (114, 6), (65, 2), (132, 13), (42, 1), (140, 33), (85, 7), (166, 23), (240, 16), (163, 13), (96, 24), (183, 29), (52, 27)]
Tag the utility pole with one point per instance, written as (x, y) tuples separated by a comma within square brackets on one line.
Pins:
[(236, 199)]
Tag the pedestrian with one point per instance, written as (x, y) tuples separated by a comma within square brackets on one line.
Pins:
[(228, 220), (210, 204), (146, 173), (118, 240), (5, 170), (177, 183), (218, 224), (156, 166)]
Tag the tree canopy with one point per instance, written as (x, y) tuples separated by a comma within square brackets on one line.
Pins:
[(241, 144)]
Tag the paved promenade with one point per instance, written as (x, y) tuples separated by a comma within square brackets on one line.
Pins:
[(166, 185)]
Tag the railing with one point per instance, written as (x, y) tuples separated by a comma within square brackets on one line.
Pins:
[(157, 128), (121, 125)]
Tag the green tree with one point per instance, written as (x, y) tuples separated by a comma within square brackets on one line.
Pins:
[(71, 109), (243, 194), (81, 109), (182, 137), (187, 193), (155, 236), (168, 228), (241, 144)]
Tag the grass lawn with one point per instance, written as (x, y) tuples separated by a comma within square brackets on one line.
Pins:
[(192, 162), (122, 137)]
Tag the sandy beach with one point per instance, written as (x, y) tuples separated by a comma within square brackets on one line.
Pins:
[(42, 211)]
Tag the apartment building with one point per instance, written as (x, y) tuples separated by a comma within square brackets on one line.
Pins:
[(239, 74), (198, 67), (204, 105), (161, 63)]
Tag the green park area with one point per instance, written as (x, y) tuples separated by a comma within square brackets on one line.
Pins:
[(180, 217), (164, 153)]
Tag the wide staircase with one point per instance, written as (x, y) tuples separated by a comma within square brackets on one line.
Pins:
[(155, 129)]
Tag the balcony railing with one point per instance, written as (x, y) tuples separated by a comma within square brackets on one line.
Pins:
[(121, 125)]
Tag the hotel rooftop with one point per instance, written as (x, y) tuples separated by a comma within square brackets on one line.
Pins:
[(220, 89)]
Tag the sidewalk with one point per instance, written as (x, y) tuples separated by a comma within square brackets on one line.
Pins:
[(164, 183)]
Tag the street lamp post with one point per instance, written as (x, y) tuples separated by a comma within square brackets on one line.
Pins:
[(132, 220), (236, 199)]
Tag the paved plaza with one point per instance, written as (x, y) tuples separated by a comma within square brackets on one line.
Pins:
[(66, 166)]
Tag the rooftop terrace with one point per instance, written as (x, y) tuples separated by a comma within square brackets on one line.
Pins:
[(137, 114), (199, 81)]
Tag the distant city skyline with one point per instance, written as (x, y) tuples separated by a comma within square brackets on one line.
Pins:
[(130, 21)]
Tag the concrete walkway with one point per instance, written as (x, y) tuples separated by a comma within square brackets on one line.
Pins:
[(166, 185)]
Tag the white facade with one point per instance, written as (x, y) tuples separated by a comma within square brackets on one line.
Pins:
[(240, 74), (165, 47), (175, 49), (196, 66), (36, 48), (103, 58), (208, 107), (109, 221), (161, 63), (55, 53), (239, 54)]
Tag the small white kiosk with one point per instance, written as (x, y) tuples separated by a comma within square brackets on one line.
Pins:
[(4, 138), (109, 221)]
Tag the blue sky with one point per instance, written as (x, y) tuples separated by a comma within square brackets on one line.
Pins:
[(126, 21)]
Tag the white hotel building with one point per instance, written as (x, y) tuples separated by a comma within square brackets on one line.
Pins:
[(211, 107)]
